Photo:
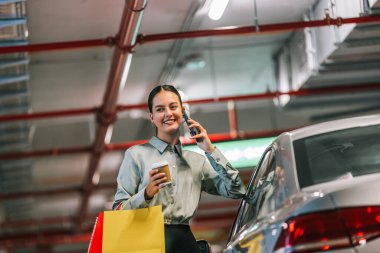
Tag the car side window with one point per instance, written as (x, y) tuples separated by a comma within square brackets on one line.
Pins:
[(265, 204), (248, 209)]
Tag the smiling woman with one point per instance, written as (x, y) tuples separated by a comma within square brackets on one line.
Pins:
[(165, 108), (141, 183)]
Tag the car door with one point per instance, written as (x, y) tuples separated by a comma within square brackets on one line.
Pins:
[(247, 207), (261, 199)]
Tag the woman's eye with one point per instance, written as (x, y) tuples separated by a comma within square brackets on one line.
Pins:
[(160, 110)]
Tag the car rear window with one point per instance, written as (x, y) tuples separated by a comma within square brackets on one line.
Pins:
[(336, 155)]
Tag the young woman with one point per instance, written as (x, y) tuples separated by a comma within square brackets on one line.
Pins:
[(191, 173)]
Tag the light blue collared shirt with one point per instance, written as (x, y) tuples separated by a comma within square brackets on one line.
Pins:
[(191, 174)]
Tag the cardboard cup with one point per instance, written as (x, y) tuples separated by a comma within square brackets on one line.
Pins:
[(163, 167)]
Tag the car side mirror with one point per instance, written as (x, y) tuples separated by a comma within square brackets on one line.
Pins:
[(204, 246)]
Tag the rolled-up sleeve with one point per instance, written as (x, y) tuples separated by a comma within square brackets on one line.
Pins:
[(219, 177), (128, 196)]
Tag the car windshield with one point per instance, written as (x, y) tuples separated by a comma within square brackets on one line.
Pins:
[(337, 155)]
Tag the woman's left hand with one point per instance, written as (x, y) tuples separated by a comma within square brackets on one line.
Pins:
[(204, 141)]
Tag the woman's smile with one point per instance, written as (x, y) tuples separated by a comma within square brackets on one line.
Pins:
[(169, 121)]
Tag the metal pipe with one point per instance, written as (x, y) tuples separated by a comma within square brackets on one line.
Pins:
[(125, 40), (245, 175), (36, 222), (65, 113), (63, 237), (21, 195), (68, 45), (301, 92), (268, 28), (123, 146), (232, 118), (267, 95), (46, 152), (46, 238), (223, 31), (49, 114), (218, 137)]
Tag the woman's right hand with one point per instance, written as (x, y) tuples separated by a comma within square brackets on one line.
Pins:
[(156, 181)]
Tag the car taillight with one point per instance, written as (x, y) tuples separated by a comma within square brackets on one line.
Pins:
[(329, 230), (363, 223)]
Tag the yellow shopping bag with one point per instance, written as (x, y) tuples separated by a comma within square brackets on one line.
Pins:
[(134, 231)]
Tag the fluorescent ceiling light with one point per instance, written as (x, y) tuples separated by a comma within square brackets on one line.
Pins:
[(217, 8)]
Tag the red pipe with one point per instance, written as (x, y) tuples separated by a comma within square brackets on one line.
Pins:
[(268, 95), (123, 146), (48, 152), (37, 222), (47, 238), (50, 114), (110, 41), (128, 29), (63, 237), (232, 118), (245, 174), (222, 220), (142, 39), (301, 92), (68, 45), (21, 195), (44, 221)]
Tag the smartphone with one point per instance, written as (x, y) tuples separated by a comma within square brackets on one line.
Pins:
[(193, 130)]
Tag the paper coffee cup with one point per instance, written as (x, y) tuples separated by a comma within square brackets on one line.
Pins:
[(163, 167)]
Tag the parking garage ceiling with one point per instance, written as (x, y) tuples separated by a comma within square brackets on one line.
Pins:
[(67, 114)]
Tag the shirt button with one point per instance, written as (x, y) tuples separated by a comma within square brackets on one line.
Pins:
[(218, 159)]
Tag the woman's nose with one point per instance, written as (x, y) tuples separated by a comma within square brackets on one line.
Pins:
[(168, 111)]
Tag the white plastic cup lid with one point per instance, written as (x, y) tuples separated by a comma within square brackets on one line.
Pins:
[(159, 164)]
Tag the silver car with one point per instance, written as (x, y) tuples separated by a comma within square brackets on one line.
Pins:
[(316, 189)]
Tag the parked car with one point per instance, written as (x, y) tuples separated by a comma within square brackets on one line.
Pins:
[(315, 189)]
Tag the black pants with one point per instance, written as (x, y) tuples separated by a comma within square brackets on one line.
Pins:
[(180, 239)]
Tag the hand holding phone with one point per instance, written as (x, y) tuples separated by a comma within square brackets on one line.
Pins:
[(193, 130)]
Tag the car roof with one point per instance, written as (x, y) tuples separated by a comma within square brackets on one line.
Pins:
[(284, 141), (332, 126)]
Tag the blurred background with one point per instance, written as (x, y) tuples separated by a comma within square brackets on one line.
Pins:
[(74, 80)]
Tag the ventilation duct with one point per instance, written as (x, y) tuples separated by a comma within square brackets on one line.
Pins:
[(328, 56)]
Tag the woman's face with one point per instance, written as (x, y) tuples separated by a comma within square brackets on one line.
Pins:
[(166, 113)]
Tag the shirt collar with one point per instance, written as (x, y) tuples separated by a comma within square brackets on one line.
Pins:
[(161, 146)]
